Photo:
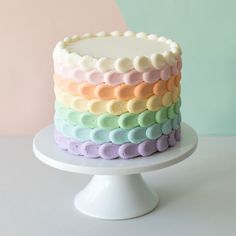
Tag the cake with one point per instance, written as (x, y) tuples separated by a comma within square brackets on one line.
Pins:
[(117, 94)]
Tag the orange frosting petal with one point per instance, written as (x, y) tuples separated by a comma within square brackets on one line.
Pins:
[(61, 83), (143, 90), (104, 91), (177, 80), (72, 88), (160, 88), (124, 91), (86, 90), (171, 83)]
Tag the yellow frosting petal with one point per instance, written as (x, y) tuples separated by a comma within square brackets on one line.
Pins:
[(117, 107), (167, 99), (154, 103), (136, 105), (97, 106), (79, 104)]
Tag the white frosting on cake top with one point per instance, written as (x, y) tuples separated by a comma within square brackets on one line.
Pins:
[(114, 47), (118, 51)]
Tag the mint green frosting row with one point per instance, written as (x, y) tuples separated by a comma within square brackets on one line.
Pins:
[(117, 136), (124, 121)]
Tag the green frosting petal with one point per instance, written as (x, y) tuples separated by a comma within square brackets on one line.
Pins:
[(146, 118), (88, 120), (73, 117), (166, 127), (100, 135), (58, 123), (82, 134), (154, 131), (67, 129), (175, 123), (128, 120), (108, 121), (171, 111), (179, 119), (162, 115), (119, 136), (63, 112), (177, 106), (137, 135)]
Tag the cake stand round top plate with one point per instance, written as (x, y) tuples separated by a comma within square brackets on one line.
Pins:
[(48, 152)]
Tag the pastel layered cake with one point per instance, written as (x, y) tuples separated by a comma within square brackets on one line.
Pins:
[(117, 94)]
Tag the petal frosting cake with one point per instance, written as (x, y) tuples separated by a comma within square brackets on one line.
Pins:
[(117, 94)]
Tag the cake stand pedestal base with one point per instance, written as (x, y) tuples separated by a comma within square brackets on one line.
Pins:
[(116, 197), (117, 190)]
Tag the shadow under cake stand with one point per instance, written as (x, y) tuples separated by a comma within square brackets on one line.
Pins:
[(117, 190)]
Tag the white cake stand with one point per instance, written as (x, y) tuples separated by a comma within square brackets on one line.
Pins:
[(117, 189)]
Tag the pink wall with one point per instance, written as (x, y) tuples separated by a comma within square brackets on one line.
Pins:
[(29, 29)]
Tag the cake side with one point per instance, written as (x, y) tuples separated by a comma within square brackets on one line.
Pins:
[(117, 102)]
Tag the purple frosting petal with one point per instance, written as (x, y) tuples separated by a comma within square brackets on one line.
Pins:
[(178, 134), (162, 143), (90, 149), (109, 151), (128, 150), (147, 148), (175, 70), (171, 139), (75, 148), (63, 142)]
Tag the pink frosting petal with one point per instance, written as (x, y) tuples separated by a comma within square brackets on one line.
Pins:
[(151, 76), (78, 75), (166, 73), (133, 77), (113, 78), (94, 77)]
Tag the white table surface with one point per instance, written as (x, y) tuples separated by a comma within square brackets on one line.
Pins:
[(198, 196)]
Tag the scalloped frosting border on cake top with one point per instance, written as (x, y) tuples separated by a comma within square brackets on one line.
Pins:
[(62, 54)]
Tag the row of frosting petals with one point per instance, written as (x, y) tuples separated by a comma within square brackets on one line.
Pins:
[(117, 106), (122, 91), (111, 151), (114, 78), (125, 121), (61, 54), (118, 135)]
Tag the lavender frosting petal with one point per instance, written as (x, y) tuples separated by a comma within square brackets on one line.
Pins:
[(147, 148), (75, 148), (172, 139), (109, 151), (90, 149), (162, 143), (178, 134)]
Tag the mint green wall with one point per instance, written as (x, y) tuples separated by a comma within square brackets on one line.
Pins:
[(206, 30)]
